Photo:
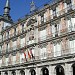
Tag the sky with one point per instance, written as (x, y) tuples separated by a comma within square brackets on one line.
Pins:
[(19, 8)]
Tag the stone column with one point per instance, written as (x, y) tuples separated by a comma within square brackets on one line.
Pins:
[(68, 69), (17, 72), (2, 73), (53, 70), (9, 73), (37, 71), (50, 70), (26, 72)]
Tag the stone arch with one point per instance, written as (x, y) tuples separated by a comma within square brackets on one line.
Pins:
[(73, 69), (59, 70), (45, 71), (32, 72), (22, 72), (13, 73), (6, 73)]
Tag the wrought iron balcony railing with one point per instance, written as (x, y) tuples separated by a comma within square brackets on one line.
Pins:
[(44, 56)]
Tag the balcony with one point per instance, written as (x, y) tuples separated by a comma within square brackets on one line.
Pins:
[(70, 52)]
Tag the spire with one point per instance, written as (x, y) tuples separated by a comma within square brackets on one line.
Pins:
[(7, 10), (32, 6)]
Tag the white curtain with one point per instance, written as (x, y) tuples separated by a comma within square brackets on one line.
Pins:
[(57, 11), (43, 53), (57, 50), (22, 42), (24, 26), (72, 46), (69, 25), (65, 7), (53, 30), (6, 24), (0, 37), (22, 57), (45, 17), (14, 45), (73, 24), (0, 48), (14, 60), (51, 13), (0, 62), (43, 34), (7, 61)]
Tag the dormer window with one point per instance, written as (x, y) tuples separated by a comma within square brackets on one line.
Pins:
[(6, 25), (42, 18)]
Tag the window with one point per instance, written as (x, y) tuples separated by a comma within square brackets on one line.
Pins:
[(57, 50), (14, 60), (43, 35), (15, 31), (69, 5), (22, 27), (45, 18), (72, 46), (0, 62), (42, 18), (6, 24), (0, 37), (43, 53), (57, 11), (22, 42), (7, 48), (22, 57), (14, 45), (56, 29), (7, 35), (73, 24), (0, 49), (73, 4), (69, 25), (53, 30), (7, 61), (51, 13), (65, 7), (54, 12)]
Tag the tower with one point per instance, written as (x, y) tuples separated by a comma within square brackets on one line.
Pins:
[(6, 14), (32, 6)]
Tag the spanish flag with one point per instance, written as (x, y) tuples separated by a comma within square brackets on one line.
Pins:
[(25, 55), (29, 55)]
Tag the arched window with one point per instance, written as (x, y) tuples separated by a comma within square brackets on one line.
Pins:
[(59, 70), (13, 73), (6, 73), (32, 72), (45, 71), (73, 67), (22, 72)]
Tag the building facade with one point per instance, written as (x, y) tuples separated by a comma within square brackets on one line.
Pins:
[(42, 43)]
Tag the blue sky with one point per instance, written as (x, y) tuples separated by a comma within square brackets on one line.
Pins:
[(20, 7)]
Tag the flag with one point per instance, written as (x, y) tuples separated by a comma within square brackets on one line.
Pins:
[(25, 55), (31, 53)]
